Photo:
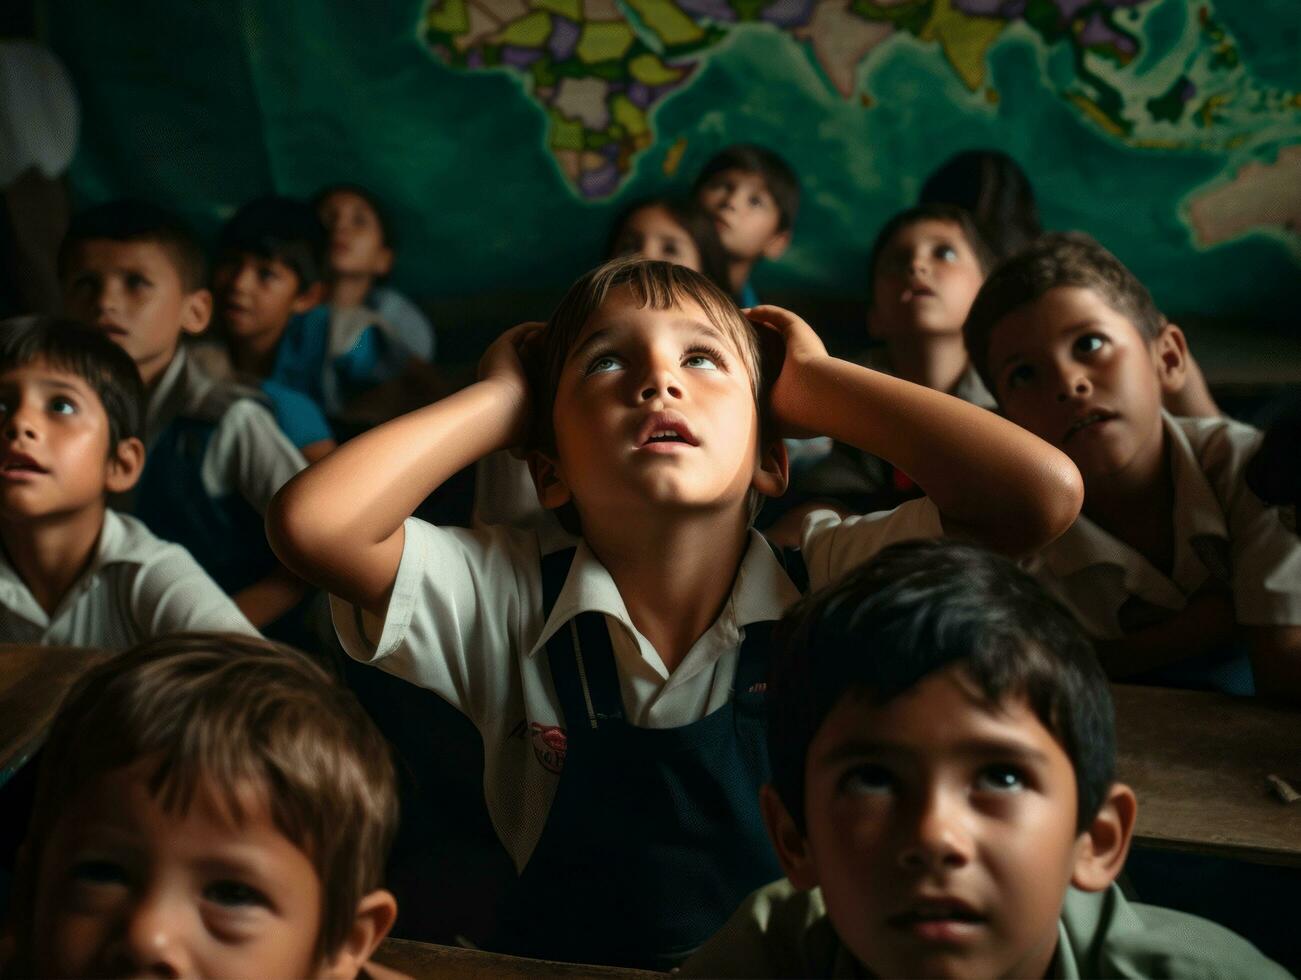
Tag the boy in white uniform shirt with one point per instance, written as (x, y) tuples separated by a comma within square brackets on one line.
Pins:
[(1174, 560), (73, 572), (617, 678)]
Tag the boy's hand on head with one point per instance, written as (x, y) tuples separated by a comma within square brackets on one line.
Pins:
[(503, 364), (800, 346)]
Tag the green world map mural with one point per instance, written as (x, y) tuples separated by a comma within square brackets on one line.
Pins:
[(505, 134)]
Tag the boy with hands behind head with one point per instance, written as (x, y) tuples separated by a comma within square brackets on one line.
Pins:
[(617, 677), (943, 798)]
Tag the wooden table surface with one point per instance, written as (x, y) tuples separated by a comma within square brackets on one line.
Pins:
[(421, 960), (33, 681), (1198, 763)]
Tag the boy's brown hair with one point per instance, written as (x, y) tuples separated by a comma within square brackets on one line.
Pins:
[(654, 284), (222, 712), (1056, 259)]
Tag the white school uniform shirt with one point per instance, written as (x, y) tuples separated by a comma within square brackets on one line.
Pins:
[(1225, 537), (465, 620), (248, 453), (136, 588)]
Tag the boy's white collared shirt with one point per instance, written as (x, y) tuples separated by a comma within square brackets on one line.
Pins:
[(1225, 537), (136, 588), (465, 620)]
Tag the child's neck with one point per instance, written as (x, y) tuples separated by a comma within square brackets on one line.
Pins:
[(738, 273), (1136, 506), (349, 290), (675, 574), (937, 361), (50, 554), (256, 355)]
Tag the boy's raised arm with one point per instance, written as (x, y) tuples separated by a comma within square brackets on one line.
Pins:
[(338, 523), (991, 480)]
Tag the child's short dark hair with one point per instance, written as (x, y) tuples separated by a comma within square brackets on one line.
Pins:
[(916, 609), (777, 176), (283, 229), (386, 230), (949, 213), (1056, 259), (132, 220), (997, 192), (87, 353), (222, 713), (695, 221)]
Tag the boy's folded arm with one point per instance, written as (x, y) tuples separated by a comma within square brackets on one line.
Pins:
[(991, 480), (1276, 661), (338, 524), (270, 597)]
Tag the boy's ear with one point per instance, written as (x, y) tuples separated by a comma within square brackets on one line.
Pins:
[(1102, 848), (375, 915), (777, 245), (772, 473), (309, 297), (196, 312), (125, 464), (1170, 352), (791, 846), (552, 489)]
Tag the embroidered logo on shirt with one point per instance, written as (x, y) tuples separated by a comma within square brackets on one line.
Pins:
[(549, 743)]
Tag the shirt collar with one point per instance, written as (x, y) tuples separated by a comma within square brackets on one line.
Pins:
[(1197, 512), (161, 398), (761, 593)]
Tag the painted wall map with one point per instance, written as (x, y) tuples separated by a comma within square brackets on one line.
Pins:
[(506, 133)]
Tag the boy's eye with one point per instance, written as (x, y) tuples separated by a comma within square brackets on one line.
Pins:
[(867, 779), (1089, 343), (1001, 778), (601, 364), (234, 894), (99, 872), (266, 273), (137, 281), (757, 201), (701, 361), (671, 248), (946, 253), (63, 406), (1020, 375)]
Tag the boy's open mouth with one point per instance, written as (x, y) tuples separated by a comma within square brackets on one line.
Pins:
[(20, 464), (1089, 418), (665, 428), (938, 919)]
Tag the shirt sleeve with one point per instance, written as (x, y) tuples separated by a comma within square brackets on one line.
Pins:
[(299, 418), (172, 594), (834, 546), (249, 455), (465, 604)]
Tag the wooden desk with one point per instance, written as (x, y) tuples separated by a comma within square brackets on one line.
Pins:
[(421, 960), (33, 681), (1198, 763)]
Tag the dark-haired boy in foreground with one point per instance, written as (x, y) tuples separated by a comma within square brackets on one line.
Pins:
[(73, 572), (1175, 565), (943, 798)]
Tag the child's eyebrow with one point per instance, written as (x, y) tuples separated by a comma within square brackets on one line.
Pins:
[(973, 748), (684, 324)]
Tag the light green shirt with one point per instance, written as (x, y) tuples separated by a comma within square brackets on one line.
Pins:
[(781, 932)]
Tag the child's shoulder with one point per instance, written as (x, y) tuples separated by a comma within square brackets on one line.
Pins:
[(1219, 444)]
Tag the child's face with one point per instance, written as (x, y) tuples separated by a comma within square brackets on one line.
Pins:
[(746, 214), (653, 406), (356, 237), (128, 889), (256, 295), (942, 833), (134, 293), (55, 458), (653, 233), (925, 280), (1080, 376)]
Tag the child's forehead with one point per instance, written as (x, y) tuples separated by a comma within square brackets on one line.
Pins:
[(344, 198), (753, 179), (622, 315), (45, 373), (103, 252), (240, 256), (1060, 312), (927, 228)]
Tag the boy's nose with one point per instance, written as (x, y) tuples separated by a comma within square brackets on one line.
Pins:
[(151, 942), (939, 840), (20, 423), (660, 383), (1073, 384)]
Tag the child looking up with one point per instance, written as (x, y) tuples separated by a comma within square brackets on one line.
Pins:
[(943, 799), (215, 454), (360, 258), (1174, 557), (73, 572), (617, 676), (208, 805), (753, 195), (268, 290)]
